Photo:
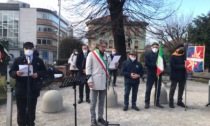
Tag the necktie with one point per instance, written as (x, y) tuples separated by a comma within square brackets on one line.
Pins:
[(29, 61)]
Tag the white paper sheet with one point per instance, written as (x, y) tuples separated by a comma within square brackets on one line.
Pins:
[(24, 69), (114, 60)]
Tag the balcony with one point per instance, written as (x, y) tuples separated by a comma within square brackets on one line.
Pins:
[(47, 35)]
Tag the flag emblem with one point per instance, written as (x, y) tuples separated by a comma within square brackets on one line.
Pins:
[(195, 58)]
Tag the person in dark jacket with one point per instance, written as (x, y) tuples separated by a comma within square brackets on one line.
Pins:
[(81, 64), (21, 90), (178, 75), (113, 72), (132, 71), (150, 63)]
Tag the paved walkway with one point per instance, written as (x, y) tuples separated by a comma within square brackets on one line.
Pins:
[(196, 115)]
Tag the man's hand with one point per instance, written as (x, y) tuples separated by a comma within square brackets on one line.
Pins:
[(117, 64), (134, 76), (35, 75), (90, 85), (19, 73)]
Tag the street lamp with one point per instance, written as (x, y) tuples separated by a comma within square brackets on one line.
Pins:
[(59, 15)]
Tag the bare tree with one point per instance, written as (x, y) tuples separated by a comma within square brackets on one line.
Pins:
[(172, 31), (137, 10)]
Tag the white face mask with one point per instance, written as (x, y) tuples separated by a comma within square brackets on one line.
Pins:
[(28, 52), (154, 50), (113, 53), (132, 59), (84, 51), (76, 52)]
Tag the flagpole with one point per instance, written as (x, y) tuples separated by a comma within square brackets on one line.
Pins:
[(185, 87), (159, 70), (156, 90)]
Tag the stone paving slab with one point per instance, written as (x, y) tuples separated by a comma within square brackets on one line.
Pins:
[(196, 115)]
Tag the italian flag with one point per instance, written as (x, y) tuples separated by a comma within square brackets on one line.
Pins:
[(4, 50), (159, 62)]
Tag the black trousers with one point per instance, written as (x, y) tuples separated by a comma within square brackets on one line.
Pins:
[(151, 79), (22, 115), (128, 87), (74, 73), (113, 73), (181, 84), (81, 90)]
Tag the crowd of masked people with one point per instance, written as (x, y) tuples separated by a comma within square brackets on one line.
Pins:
[(96, 63)]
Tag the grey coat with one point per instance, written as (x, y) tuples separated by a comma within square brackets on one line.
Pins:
[(98, 74)]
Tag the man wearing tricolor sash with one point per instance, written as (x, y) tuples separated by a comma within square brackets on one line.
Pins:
[(96, 66), (153, 70)]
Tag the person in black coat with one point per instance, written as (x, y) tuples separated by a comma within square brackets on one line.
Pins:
[(132, 71), (21, 90), (178, 75), (150, 63), (81, 64)]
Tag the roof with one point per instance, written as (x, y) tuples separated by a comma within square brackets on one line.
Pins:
[(107, 19)]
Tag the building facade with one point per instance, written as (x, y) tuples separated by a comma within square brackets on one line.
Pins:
[(100, 29), (19, 23)]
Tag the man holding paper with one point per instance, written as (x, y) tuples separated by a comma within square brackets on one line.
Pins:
[(19, 71), (114, 65)]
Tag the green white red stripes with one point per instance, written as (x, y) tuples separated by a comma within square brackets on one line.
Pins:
[(101, 60), (159, 62), (4, 50)]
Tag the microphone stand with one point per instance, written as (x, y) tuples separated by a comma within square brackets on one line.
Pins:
[(28, 110), (108, 80)]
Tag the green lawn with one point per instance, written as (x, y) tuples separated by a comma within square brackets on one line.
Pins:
[(3, 93)]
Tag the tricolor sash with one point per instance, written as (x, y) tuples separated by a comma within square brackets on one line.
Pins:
[(101, 60)]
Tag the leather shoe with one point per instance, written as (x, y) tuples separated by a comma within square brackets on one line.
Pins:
[(159, 106), (88, 100), (171, 105), (93, 122), (181, 104), (125, 108), (146, 106), (135, 108), (80, 101)]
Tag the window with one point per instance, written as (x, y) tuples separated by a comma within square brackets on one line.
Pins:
[(136, 44), (9, 21), (48, 42), (45, 54), (4, 32), (137, 31), (49, 16), (0, 32), (39, 41), (44, 42)]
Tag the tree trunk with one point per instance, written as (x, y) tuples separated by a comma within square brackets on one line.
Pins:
[(116, 11)]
